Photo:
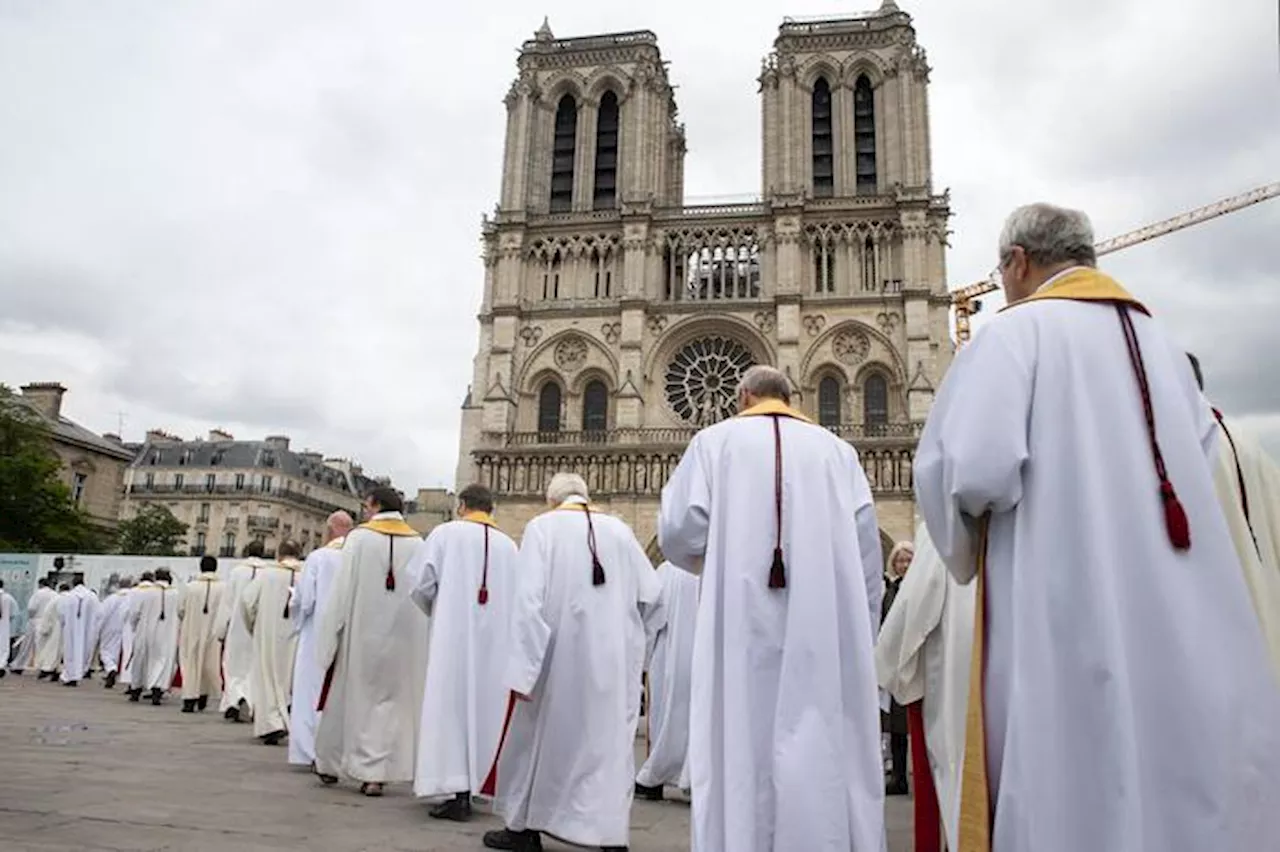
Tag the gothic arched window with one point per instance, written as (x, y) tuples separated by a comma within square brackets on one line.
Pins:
[(823, 141), (562, 154), (864, 135), (875, 403), (829, 402), (606, 182), (549, 408), (595, 407)]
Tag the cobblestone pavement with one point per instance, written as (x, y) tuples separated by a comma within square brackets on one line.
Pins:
[(83, 769)]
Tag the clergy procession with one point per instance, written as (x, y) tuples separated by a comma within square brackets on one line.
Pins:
[(1080, 650)]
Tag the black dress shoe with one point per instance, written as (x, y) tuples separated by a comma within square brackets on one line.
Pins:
[(896, 787), (156, 695), (110, 682), (232, 714), (202, 702), (273, 738), (72, 683), (457, 809), (135, 695), (188, 705), (652, 794), (517, 841)]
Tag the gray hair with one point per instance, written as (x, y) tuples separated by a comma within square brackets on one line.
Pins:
[(566, 485), (767, 382), (1049, 235)]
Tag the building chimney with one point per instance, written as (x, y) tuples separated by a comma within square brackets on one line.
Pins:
[(277, 442), (45, 397), (159, 436), (220, 435), (113, 438)]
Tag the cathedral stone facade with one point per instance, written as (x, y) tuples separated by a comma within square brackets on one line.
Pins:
[(617, 320)]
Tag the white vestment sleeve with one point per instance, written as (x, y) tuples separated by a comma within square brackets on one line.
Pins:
[(424, 571), (969, 460), (337, 606), (872, 562), (685, 514), (530, 630), (302, 603), (249, 604), (222, 623)]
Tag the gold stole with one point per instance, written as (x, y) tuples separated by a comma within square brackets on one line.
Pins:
[(1085, 284), (773, 406), (976, 817), (389, 526), (480, 518)]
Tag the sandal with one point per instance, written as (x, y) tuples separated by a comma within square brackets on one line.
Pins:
[(371, 788)]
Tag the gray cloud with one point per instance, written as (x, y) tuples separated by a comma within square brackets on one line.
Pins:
[(267, 218)]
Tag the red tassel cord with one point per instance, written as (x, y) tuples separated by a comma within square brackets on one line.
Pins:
[(483, 597), (597, 570), (778, 570), (391, 561), (1175, 516), (162, 603)]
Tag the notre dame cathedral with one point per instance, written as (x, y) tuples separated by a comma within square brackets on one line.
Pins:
[(617, 320)]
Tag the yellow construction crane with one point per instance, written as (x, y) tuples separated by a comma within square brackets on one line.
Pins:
[(966, 299)]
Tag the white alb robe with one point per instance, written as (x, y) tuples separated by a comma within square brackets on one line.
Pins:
[(465, 696), (75, 615), (111, 622), (923, 654), (376, 640), (25, 651), (266, 617), (1128, 698), (577, 650), (1257, 537), (670, 673), (309, 599), (49, 634), (199, 652), (237, 648), (127, 632), (155, 638), (7, 608), (784, 739)]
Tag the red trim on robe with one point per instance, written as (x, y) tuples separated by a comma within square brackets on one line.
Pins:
[(324, 690), (490, 785), (927, 814)]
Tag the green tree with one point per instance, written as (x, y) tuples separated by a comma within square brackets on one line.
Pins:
[(37, 513), (154, 531)]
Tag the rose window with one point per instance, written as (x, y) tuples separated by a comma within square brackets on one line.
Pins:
[(702, 379)]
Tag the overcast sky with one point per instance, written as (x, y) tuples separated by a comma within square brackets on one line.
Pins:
[(265, 216)]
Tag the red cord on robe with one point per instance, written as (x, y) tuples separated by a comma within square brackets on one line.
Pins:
[(928, 816)]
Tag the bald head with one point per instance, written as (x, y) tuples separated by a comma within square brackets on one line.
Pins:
[(338, 525), (760, 383)]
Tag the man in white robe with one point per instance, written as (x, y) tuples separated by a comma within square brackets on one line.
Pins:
[(588, 598), (923, 656), (8, 608), (670, 671), (112, 618), (1121, 695), (372, 644), (78, 614), (146, 580), (155, 640), (49, 636), (25, 653), (1247, 482), (267, 618), (309, 599), (464, 580), (784, 739), (199, 653), (237, 648)]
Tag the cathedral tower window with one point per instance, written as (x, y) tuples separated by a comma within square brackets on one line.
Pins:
[(823, 141), (829, 402), (549, 408), (551, 278), (875, 403), (864, 135), (824, 267), (606, 176), (562, 155), (869, 265), (595, 407), (602, 267)]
